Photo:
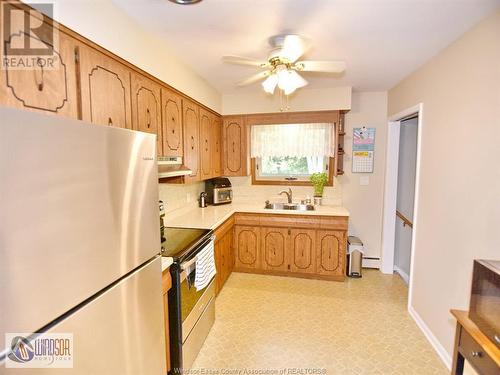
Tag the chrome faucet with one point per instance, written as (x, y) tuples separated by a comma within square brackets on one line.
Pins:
[(288, 194)]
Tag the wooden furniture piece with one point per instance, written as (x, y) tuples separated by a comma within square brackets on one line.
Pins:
[(166, 285), (291, 245), (340, 132), (223, 248), (191, 130), (474, 346), (235, 148)]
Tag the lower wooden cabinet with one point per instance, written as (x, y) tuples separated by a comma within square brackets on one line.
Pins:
[(302, 251), (330, 252), (274, 248), (224, 260), (291, 245), (246, 247), (166, 285)]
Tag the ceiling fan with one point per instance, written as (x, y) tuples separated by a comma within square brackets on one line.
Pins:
[(282, 66)]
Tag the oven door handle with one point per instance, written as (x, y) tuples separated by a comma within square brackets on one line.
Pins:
[(188, 263)]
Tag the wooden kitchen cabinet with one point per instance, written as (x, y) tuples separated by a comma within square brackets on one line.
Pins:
[(274, 248), (235, 158), (331, 252), (224, 259), (191, 130), (206, 120), (246, 247), (216, 146), (166, 285), (302, 251), (41, 89), (105, 89), (171, 106), (146, 107)]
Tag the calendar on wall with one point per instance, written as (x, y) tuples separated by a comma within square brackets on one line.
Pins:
[(363, 149)]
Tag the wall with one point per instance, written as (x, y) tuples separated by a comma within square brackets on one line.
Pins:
[(302, 100), (179, 196), (458, 208), (406, 194), (365, 202), (107, 25)]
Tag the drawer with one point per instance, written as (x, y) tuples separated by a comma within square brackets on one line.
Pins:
[(247, 219), (292, 221), (476, 356), (333, 222)]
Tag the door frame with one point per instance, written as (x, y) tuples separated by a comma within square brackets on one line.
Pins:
[(391, 189)]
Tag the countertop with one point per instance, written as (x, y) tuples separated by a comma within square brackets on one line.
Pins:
[(166, 262), (212, 216)]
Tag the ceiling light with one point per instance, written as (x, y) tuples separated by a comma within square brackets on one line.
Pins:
[(185, 2), (270, 83), (290, 80)]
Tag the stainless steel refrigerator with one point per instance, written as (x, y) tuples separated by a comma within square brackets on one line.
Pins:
[(79, 242)]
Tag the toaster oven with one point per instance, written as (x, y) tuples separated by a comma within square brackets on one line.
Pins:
[(219, 191)]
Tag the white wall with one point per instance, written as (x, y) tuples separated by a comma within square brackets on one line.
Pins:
[(365, 202), (107, 25), (458, 210), (302, 100), (406, 193)]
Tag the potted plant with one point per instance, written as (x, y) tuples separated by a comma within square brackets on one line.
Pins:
[(319, 180)]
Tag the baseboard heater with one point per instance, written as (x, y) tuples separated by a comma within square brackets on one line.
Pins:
[(371, 262)]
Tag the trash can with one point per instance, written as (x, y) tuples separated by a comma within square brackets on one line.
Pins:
[(354, 256)]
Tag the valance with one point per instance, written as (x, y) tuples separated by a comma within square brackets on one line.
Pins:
[(297, 140)]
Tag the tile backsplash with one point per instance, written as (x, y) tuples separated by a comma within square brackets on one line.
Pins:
[(178, 196)]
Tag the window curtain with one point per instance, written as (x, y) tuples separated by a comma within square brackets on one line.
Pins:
[(314, 141)]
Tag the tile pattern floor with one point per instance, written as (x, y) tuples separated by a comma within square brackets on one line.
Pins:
[(360, 326)]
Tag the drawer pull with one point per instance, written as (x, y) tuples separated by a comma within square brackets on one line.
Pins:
[(497, 338), (477, 354)]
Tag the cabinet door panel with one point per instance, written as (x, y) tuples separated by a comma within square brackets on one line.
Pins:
[(274, 248), (172, 123), (191, 126), (302, 250), (234, 146), (205, 138), (43, 88), (216, 146), (146, 108), (247, 243), (105, 89), (330, 252)]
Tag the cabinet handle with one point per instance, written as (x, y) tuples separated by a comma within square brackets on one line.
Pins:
[(206, 145), (110, 122), (39, 83), (148, 113), (173, 131), (192, 143), (477, 354), (233, 147)]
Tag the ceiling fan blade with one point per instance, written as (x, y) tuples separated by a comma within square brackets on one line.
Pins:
[(254, 78), (321, 66), (245, 61), (294, 46)]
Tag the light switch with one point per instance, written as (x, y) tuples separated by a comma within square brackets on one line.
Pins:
[(364, 180)]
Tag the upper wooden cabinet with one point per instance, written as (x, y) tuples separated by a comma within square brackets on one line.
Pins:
[(191, 127), (235, 156), (105, 89), (146, 107), (171, 104), (41, 88), (216, 146), (206, 120)]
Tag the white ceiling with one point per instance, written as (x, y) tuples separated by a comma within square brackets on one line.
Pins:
[(381, 41)]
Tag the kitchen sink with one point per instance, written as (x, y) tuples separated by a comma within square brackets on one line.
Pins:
[(289, 206)]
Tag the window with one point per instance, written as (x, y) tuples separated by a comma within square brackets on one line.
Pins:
[(290, 153)]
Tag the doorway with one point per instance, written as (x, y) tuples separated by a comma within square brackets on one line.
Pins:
[(390, 218), (405, 198)]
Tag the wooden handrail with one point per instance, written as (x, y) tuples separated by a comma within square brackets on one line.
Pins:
[(404, 218)]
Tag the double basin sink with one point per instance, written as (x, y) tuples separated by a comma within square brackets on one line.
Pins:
[(289, 206)]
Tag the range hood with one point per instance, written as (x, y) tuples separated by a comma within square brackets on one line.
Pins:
[(172, 167)]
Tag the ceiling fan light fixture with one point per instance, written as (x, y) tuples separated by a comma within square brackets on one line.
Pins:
[(269, 85), (185, 2), (290, 80)]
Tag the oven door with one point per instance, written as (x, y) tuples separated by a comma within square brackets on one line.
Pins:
[(193, 302)]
